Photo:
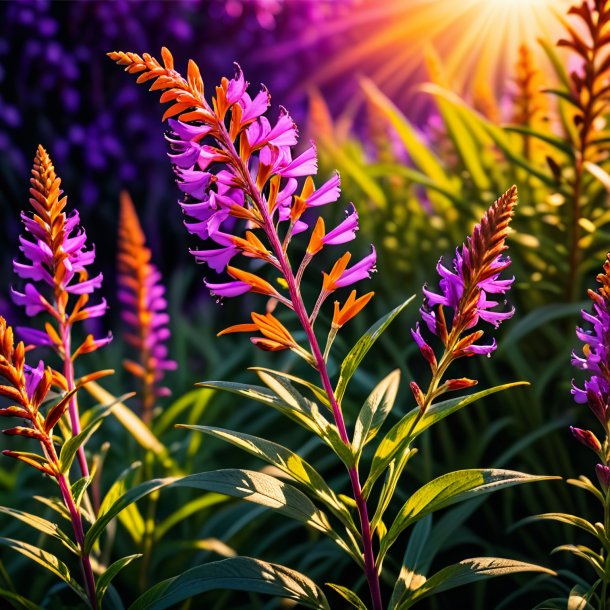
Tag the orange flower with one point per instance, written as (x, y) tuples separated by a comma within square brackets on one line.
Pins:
[(275, 335), (258, 284), (352, 307)]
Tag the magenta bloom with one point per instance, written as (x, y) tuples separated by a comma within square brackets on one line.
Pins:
[(59, 266)]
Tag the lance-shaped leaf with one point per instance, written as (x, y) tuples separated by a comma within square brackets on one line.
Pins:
[(469, 571), (238, 574), (412, 574), (132, 423), (48, 561), (287, 461), (316, 390), (103, 582), (375, 410), (292, 398), (497, 134), (363, 345), (96, 417), (268, 491), (266, 397), (348, 595), (448, 489), (17, 601), (418, 151), (408, 428), (42, 525), (120, 504)]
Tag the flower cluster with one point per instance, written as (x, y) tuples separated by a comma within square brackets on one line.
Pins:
[(144, 309), (27, 388), (595, 361), (465, 290), (235, 166), (54, 246), (57, 259)]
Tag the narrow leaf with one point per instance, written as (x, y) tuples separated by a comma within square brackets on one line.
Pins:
[(47, 561), (238, 574), (375, 410), (448, 489), (287, 461), (348, 595), (469, 571), (103, 582), (406, 430), (120, 504), (42, 525), (364, 344)]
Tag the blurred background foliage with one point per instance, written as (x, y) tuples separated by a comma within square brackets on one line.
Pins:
[(429, 111)]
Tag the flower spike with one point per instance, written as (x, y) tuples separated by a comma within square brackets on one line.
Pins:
[(464, 290), (238, 173), (144, 309), (57, 260)]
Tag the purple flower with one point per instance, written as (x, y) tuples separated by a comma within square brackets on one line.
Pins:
[(144, 310), (595, 359), (60, 264), (464, 288)]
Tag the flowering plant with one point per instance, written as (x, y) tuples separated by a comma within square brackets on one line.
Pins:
[(240, 177)]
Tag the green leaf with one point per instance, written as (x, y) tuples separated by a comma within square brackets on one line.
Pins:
[(185, 511), (448, 489), (348, 595), (411, 574), (394, 471), (70, 447), (287, 461), (266, 397), (132, 423), (42, 525), (595, 560), (395, 169), (364, 344), (419, 151), (79, 488), (118, 488), (47, 561), (496, 133), (469, 571), (267, 491), (579, 522), (238, 574), (17, 601), (103, 582), (316, 390), (322, 427), (558, 143), (406, 430), (120, 504), (375, 410)]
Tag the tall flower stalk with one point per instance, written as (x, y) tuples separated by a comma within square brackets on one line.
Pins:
[(258, 186), (144, 310), (57, 261), (27, 389), (465, 290), (589, 95)]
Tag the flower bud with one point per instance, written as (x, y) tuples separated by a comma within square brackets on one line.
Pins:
[(587, 438), (603, 476)]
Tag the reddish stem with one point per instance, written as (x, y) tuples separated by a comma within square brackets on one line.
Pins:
[(79, 536), (73, 405), (299, 307)]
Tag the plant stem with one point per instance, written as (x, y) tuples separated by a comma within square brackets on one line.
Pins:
[(79, 536), (73, 406), (299, 307)]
